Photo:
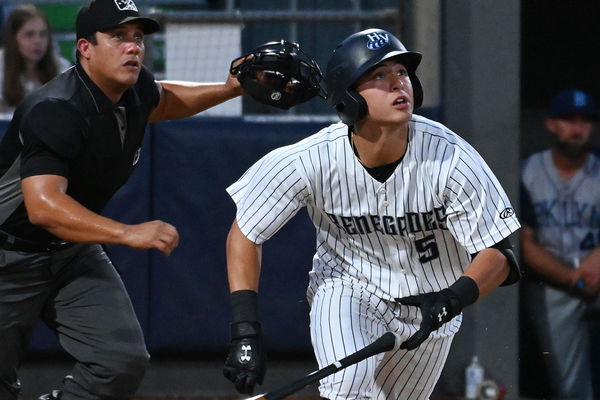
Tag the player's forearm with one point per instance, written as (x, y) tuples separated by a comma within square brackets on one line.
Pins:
[(590, 270), (545, 264), (592, 260), (184, 99), (243, 261), (488, 269)]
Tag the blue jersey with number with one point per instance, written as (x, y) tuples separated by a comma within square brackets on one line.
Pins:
[(565, 213)]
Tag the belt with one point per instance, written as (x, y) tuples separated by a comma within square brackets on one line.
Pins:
[(11, 242)]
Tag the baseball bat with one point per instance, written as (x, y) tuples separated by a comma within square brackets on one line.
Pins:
[(386, 342)]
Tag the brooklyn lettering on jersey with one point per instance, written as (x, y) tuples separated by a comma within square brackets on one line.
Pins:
[(572, 214), (388, 225)]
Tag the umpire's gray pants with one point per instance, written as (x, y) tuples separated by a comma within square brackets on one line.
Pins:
[(78, 294)]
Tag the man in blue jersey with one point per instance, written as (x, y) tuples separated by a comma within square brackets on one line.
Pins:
[(560, 242)]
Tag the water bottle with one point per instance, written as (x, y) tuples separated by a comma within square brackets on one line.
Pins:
[(473, 379)]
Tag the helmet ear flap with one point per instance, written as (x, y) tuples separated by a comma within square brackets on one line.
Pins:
[(417, 90), (352, 108)]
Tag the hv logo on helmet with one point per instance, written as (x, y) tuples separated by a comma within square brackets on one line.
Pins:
[(125, 5), (377, 40)]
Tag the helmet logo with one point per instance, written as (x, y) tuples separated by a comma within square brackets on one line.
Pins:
[(377, 40), (275, 95)]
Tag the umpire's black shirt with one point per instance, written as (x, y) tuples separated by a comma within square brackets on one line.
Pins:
[(70, 128)]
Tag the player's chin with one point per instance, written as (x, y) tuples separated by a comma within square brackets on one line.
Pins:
[(399, 116)]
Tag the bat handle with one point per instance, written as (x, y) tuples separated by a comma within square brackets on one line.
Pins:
[(385, 343), (300, 383)]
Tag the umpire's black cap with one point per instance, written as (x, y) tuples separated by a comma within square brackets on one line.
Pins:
[(101, 15)]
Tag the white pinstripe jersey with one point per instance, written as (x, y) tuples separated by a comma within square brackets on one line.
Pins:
[(413, 233)]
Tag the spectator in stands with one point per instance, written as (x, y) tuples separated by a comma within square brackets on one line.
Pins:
[(27, 59)]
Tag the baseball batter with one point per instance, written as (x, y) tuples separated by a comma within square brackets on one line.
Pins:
[(411, 227)]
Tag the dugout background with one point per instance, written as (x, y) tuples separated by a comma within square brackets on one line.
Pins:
[(498, 62)]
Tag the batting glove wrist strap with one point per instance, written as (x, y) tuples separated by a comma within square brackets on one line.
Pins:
[(244, 305), (245, 329), (464, 291)]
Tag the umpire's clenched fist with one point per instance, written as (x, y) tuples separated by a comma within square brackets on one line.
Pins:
[(152, 235), (245, 365)]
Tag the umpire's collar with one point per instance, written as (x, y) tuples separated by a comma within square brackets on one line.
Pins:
[(100, 101)]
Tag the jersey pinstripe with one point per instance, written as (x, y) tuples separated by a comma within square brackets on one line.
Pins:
[(411, 234)]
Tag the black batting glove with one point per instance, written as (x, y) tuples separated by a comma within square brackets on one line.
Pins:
[(245, 365), (437, 308)]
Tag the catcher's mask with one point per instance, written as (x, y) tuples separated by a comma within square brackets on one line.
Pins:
[(280, 74)]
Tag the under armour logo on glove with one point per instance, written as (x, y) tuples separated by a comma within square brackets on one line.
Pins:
[(442, 314), (245, 357), (437, 308), (245, 364)]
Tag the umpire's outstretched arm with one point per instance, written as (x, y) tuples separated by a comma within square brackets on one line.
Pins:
[(183, 99)]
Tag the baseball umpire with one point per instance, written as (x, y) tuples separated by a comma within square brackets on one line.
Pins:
[(67, 150), (411, 224)]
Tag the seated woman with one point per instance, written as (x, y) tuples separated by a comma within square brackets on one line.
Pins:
[(27, 60)]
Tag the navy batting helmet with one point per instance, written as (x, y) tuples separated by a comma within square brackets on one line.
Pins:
[(353, 57)]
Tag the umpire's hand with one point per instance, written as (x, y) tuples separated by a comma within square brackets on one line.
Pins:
[(151, 235), (245, 365)]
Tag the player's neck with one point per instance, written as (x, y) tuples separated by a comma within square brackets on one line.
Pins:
[(379, 145), (567, 166)]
